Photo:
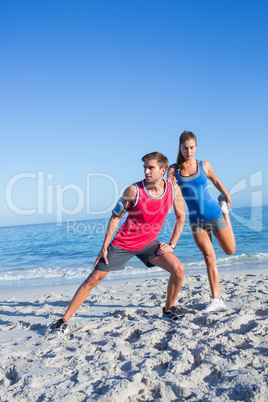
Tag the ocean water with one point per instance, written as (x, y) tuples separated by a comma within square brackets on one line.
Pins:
[(47, 254)]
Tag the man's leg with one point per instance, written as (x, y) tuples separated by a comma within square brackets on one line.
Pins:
[(172, 264), (117, 258), (82, 293)]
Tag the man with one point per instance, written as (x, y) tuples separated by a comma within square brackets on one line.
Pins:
[(147, 203)]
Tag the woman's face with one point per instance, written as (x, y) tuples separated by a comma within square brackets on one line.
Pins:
[(188, 149)]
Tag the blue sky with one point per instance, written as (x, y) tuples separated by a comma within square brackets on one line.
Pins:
[(89, 87)]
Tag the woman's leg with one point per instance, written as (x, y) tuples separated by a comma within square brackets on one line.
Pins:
[(204, 243), (229, 225), (226, 237)]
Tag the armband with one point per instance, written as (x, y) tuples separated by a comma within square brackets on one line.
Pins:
[(120, 207)]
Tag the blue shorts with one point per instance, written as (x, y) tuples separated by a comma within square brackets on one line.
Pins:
[(214, 226), (117, 257)]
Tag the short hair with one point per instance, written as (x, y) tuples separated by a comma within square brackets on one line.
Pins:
[(161, 159)]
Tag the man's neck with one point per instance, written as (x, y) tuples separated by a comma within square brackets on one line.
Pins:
[(155, 189)]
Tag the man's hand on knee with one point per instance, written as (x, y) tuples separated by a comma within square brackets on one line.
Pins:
[(164, 248)]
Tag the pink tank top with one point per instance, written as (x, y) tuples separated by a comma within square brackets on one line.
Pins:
[(145, 219)]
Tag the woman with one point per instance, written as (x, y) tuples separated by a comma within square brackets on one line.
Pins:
[(205, 214)]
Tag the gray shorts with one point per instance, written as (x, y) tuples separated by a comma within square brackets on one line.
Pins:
[(117, 257), (214, 226)]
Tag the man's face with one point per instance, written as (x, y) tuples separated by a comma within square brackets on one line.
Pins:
[(152, 171)]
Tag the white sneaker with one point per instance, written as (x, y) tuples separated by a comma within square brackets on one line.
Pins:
[(223, 204), (214, 304)]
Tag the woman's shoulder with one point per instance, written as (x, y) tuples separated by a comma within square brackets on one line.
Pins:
[(206, 164), (171, 169), (207, 168)]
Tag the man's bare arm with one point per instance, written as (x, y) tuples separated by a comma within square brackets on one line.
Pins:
[(130, 197), (179, 210)]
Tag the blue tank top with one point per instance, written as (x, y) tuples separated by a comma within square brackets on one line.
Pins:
[(201, 207)]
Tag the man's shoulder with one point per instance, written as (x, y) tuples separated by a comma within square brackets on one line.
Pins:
[(130, 191), (138, 183), (168, 184)]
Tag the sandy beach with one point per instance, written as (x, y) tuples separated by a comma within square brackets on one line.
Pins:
[(120, 349)]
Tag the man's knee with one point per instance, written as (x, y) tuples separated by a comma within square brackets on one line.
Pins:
[(93, 280), (178, 270)]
